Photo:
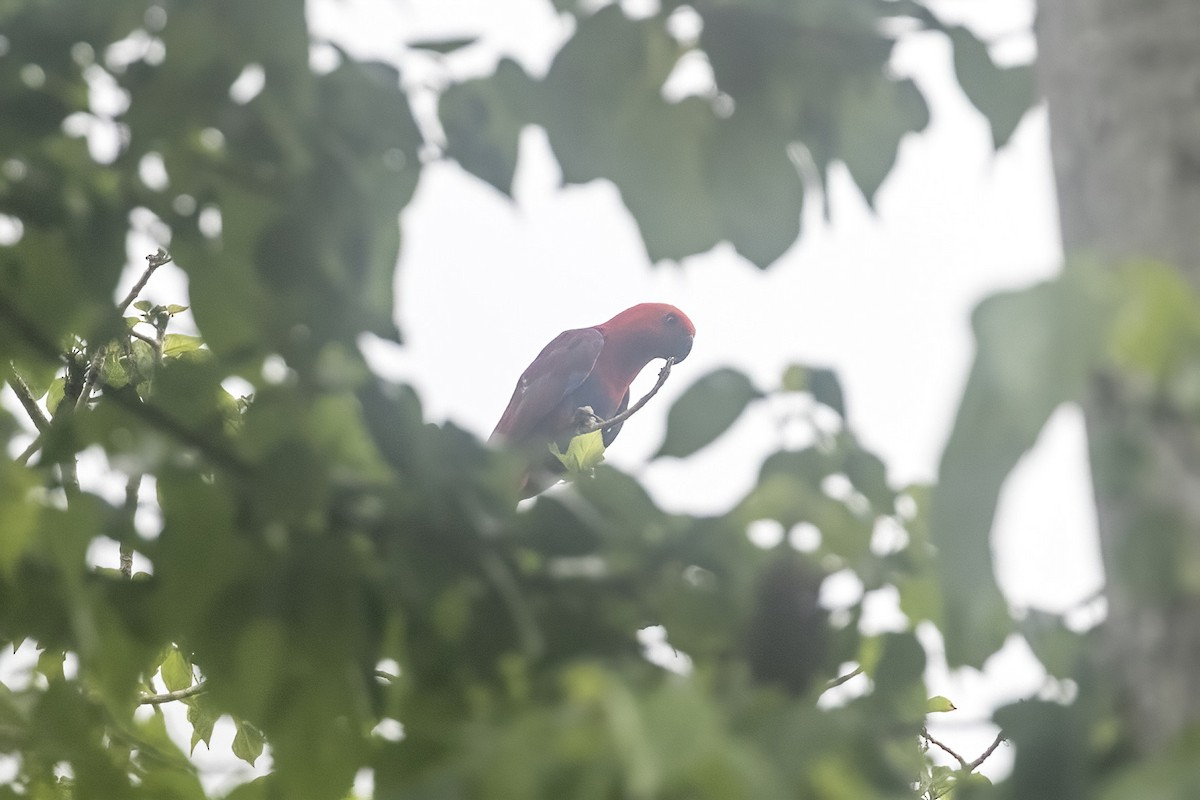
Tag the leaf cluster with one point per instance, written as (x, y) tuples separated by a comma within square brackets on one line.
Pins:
[(327, 568), (796, 89)]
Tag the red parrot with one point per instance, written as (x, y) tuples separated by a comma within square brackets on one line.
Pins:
[(590, 367)]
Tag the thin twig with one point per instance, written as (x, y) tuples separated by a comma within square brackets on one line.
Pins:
[(40, 420), (28, 452), (591, 422), (1000, 737), (843, 678), (152, 263), (179, 694), (89, 379), (164, 422), (962, 762), (25, 395), (93, 371), (131, 502), (147, 339)]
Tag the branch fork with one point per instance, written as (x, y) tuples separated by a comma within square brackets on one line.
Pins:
[(587, 421)]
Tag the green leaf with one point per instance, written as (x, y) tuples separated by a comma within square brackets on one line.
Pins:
[(1036, 349), (756, 188), (483, 120), (54, 394), (689, 177), (821, 382), (705, 411), (444, 46), (248, 742), (875, 116), (826, 389), (584, 453), (174, 309), (1169, 772), (1157, 326), (1057, 647), (143, 305), (114, 367), (202, 719), (795, 378), (19, 511), (899, 680), (1002, 94), (176, 671), (176, 345), (939, 704), (868, 474), (1041, 728), (50, 664)]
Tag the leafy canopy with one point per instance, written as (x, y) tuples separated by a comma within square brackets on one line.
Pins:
[(327, 561)]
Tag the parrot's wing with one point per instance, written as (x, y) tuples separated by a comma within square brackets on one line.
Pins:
[(559, 369)]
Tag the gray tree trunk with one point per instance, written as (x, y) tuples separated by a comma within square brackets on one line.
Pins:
[(1122, 80)]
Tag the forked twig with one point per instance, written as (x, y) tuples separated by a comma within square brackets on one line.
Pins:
[(587, 421)]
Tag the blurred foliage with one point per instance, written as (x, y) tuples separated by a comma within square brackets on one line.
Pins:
[(795, 89), (356, 588)]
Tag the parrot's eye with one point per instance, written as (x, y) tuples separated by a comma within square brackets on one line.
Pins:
[(671, 319)]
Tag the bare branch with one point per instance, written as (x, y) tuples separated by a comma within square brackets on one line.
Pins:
[(147, 339), (164, 422), (28, 452), (1000, 738), (28, 403), (152, 263), (844, 678), (962, 762), (179, 694), (93, 371), (131, 500), (89, 379), (588, 421)]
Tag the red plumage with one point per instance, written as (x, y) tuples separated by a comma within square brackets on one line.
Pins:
[(588, 367)]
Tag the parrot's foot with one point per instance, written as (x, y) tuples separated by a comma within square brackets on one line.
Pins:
[(586, 420)]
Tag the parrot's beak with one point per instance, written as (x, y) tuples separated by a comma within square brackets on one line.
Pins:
[(685, 347)]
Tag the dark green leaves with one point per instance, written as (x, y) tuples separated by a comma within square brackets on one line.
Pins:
[(483, 121), (1036, 349), (176, 671), (322, 530), (248, 742), (1039, 348), (817, 74), (1002, 94), (822, 383), (705, 411), (875, 116), (444, 46), (676, 165), (792, 84)]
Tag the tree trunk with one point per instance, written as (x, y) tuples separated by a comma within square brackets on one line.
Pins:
[(1123, 84)]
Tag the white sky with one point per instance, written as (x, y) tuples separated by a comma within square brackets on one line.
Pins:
[(882, 297)]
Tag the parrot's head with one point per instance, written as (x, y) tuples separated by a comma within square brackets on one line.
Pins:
[(658, 330)]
